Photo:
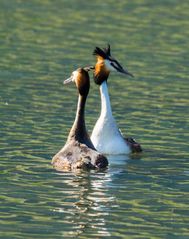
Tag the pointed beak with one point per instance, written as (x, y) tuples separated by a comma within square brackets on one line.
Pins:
[(118, 67), (88, 68), (67, 81), (124, 71)]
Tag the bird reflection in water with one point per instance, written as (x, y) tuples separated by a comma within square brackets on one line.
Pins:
[(89, 203), (88, 199)]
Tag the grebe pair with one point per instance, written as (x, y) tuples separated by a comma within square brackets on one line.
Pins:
[(80, 151)]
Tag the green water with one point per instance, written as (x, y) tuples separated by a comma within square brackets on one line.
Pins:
[(41, 42)]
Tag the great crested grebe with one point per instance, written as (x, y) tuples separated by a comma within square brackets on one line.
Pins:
[(79, 152), (106, 136)]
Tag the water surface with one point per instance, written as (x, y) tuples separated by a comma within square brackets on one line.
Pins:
[(145, 196)]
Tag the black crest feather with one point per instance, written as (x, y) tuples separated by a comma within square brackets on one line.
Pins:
[(105, 53), (107, 50)]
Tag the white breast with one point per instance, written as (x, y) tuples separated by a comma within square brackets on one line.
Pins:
[(106, 136)]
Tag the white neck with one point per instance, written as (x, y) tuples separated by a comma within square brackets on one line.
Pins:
[(106, 109), (106, 136)]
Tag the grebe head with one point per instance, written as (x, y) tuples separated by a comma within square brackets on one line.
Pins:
[(105, 64), (81, 79)]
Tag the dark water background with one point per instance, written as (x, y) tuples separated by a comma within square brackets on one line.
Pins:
[(41, 43)]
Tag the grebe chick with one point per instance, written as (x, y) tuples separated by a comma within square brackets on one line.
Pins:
[(79, 152), (106, 135)]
